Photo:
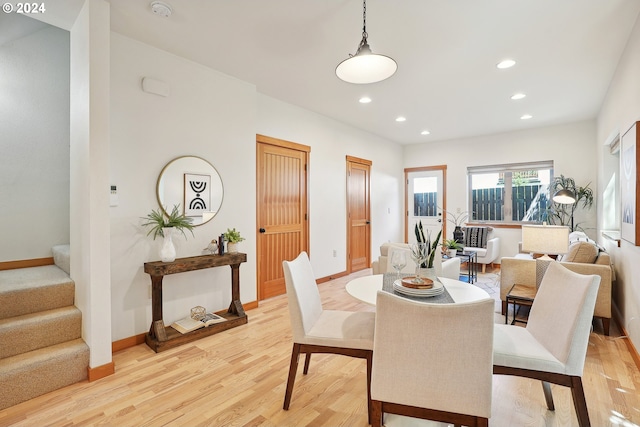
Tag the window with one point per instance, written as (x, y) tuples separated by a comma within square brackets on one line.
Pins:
[(517, 192)]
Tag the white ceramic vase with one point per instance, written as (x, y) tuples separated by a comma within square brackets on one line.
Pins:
[(167, 250), (232, 247)]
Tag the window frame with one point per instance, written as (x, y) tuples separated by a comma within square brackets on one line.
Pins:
[(507, 169)]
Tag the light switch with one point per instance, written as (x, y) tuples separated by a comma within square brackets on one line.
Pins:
[(113, 197)]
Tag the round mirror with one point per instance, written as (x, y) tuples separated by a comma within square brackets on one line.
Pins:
[(193, 184)]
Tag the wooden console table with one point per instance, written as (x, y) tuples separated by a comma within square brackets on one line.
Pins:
[(235, 315)]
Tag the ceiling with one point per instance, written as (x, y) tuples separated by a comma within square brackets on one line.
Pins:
[(447, 50)]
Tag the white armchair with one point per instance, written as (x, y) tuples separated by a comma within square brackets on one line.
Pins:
[(474, 238)]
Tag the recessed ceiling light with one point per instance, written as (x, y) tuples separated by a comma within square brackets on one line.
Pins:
[(526, 116), (401, 119), (518, 96), (364, 100), (425, 132), (507, 63)]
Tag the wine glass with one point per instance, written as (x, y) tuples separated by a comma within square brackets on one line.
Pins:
[(398, 262), (419, 254)]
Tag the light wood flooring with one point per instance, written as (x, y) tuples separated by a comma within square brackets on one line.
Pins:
[(237, 378)]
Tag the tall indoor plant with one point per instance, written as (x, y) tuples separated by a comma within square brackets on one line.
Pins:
[(562, 214)]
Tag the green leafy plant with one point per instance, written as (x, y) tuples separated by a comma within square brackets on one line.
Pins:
[(560, 214), (158, 220), (431, 246), (233, 236), (452, 244)]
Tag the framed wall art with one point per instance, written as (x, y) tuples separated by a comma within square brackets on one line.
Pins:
[(629, 163), (197, 194)]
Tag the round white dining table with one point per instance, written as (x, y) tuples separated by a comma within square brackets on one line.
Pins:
[(366, 289)]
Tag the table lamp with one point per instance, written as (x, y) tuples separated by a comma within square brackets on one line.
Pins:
[(544, 239)]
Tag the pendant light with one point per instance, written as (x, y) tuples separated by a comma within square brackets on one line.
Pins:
[(365, 66)]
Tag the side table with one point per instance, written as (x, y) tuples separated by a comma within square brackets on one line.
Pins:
[(161, 337), (519, 296), (471, 258)]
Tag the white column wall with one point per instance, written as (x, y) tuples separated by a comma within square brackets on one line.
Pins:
[(620, 109), (89, 191)]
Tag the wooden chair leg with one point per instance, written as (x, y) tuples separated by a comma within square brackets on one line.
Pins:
[(548, 397), (606, 323), (484, 267), (293, 368), (580, 402), (369, 370), (307, 359), (376, 413)]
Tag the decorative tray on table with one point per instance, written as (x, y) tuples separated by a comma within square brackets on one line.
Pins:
[(410, 282), (428, 287)]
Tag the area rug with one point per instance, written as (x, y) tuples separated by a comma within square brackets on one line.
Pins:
[(490, 282)]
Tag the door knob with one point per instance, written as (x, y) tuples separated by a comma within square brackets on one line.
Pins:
[(262, 230)]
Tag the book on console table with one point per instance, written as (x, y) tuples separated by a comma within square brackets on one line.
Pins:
[(189, 324)]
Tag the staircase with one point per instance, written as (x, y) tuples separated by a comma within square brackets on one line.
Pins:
[(41, 348)]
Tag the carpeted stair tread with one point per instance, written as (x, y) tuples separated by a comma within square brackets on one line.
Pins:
[(27, 375), (29, 290), (61, 257), (37, 330)]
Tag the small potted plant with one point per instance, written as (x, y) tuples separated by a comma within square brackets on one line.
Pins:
[(451, 246), (232, 236), (163, 225)]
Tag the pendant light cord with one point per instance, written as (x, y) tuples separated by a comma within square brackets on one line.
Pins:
[(364, 27)]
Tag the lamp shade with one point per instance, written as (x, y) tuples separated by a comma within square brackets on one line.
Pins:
[(545, 239), (564, 197), (366, 67)]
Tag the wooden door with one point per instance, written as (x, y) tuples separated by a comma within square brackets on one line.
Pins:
[(282, 206), (358, 214), (425, 200)]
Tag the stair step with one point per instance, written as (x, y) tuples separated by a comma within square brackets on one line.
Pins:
[(28, 375), (61, 257), (37, 330), (29, 290)]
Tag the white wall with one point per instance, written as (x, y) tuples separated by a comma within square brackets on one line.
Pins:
[(34, 139), (620, 109), (572, 148), (216, 117), (207, 114), (330, 143)]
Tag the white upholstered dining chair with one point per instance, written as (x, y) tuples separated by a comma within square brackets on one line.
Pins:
[(432, 361), (316, 330), (553, 346)]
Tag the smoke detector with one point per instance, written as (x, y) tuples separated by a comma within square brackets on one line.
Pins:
[(161, 9)]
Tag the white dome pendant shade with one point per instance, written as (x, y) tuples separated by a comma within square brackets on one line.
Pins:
[(365, 66)]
